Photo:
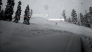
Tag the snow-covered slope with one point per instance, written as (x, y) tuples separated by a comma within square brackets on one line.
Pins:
[(36, 38), (61, 26), (42, 36)]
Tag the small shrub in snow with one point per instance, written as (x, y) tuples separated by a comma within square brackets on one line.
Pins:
[(56, 23)]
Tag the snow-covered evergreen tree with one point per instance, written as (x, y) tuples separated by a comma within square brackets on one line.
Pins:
[(0, 4), (31, 13), (2, 14), (27, 15), (89, 17), (81, 18), (90, 9), (18, 13), (0, 9), (69, 19), (87, 20), (9, 10), (63, 14), (74, 16)]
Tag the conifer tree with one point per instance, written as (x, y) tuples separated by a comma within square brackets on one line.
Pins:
[(0, 9), (9, 10), (90, 9), (81, 18), (27, 15), (78, 21), (31, 13), (63, 14), (2, 14), (87, 21), (69, 19), (0, 4), (89, 17), (18, 13), (74, 16)]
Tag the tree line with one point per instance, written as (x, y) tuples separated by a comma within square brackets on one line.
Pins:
[(6, 14), (83, 20)]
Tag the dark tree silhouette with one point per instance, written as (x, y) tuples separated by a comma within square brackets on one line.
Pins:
[(87, 21), (90, 9), (63, 14), (9, 10), (27, 15), (0, 4), (81, 18), (74, 16), (0, 9), (18, 13), (2, 14), (69, 19), (89, 17), (31, 13)]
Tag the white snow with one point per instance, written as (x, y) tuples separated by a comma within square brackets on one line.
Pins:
[(63, 26), (36, 37), (42, 35)]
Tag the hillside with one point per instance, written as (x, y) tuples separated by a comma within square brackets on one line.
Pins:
[(43, 37)]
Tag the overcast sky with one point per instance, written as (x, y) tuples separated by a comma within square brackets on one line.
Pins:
[(54, 8)]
